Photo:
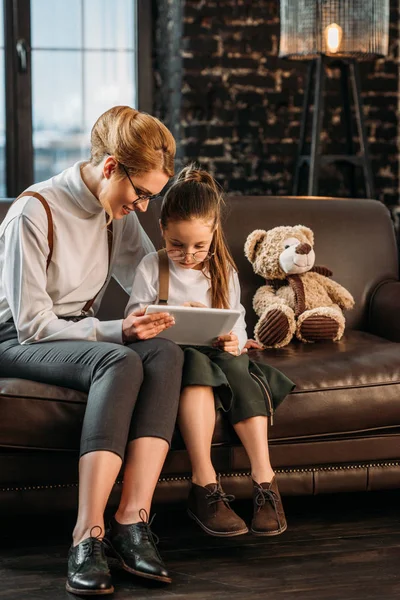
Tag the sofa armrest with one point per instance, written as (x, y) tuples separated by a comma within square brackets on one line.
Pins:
[(384, 311)]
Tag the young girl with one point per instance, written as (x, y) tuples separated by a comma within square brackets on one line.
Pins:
[(202, 273)]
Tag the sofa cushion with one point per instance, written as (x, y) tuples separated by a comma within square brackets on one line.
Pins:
[(363, 368), (37, 415), (345, 387)]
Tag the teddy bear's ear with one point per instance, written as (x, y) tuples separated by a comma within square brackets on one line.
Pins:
[(306, 232), (253, 242)]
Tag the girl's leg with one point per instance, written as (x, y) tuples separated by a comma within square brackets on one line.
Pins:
[(196, 420), (268, 517), (208, 505), (253, 433)]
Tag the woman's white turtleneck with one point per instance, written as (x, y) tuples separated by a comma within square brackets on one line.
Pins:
[(38, 300)]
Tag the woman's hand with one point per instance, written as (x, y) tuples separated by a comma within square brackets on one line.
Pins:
[(228, 343), (138, 326), (195, 304)]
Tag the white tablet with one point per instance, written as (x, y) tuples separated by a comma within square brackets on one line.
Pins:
[(196, 326)]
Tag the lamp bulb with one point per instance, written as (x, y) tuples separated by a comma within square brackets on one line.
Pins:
[(333, 37)]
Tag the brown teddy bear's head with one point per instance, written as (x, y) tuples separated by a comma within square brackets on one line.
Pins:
[(281, 251)]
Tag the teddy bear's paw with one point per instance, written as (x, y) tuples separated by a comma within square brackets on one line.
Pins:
[(275, 329), (319, 327)]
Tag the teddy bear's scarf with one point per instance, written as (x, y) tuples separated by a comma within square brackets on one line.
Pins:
[(297, 286), (295, 282)]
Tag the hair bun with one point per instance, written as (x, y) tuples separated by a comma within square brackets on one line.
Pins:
[(194, 173)]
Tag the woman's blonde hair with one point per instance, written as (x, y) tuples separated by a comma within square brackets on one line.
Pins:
[(137, 140), (196, 195)]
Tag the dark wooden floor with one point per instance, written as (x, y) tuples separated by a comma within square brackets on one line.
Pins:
[(344, 547)]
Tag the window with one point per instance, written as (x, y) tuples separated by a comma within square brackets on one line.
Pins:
[(81, 66), (2, 108), (81, 59)]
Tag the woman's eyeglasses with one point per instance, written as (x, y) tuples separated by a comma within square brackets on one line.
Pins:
[(198, 257), (141, 197)]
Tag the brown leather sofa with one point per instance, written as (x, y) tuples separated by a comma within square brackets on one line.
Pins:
[(338, 431)]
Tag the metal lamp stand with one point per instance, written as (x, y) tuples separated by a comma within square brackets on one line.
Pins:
[(350, 77)]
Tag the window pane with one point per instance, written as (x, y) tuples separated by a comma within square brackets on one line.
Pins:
[(109, 25), (2, 126), (57, 111), (2, 108), (108, 81), (56, 23), (1, 24), (72, 86)]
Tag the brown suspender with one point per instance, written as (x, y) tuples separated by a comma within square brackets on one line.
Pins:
[(50, 228), (163, 278), (50, 239)]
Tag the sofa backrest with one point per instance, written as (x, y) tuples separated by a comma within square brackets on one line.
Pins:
[(354, 238)]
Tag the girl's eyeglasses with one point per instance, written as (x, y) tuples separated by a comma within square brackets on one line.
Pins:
[(198, 257), (140, 196)]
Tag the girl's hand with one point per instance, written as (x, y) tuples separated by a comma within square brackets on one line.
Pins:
[(228, 343), (138, 326), (251, 344), (194, 304)]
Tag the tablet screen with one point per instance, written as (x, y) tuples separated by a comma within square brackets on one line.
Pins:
[(196, 326)]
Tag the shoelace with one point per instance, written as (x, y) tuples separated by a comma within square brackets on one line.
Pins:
[(146, 526), (218, 495), (93, 546), (264, 496)]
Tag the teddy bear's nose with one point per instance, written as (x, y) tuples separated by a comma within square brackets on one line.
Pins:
[(303, 249)]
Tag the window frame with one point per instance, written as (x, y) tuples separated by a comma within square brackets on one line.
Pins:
[(18, 87)]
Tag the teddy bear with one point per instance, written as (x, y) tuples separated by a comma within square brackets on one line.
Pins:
[(298, 298)]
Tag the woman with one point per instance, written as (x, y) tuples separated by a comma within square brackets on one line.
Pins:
[(56, 256)]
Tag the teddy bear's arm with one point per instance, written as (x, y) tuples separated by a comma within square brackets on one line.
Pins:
[(264, 297), (338, 293)]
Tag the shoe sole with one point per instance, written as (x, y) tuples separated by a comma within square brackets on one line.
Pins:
[(268, 533), (217, 533), (110, 550), (88, 592)]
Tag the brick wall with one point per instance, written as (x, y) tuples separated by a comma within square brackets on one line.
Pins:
[(238, 109)]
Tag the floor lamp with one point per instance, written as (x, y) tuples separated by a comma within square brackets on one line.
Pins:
[(333, 33)]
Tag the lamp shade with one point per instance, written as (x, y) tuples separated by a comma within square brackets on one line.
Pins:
[(344, 28)]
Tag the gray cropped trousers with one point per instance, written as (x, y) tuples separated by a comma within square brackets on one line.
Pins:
[(133, 390)]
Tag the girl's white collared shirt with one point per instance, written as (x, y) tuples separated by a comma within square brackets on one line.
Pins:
[(185, 285)]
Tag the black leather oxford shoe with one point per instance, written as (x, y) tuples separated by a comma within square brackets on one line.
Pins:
[(134, 546), (88, 572)]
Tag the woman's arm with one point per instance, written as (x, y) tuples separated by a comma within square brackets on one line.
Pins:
[(25, 282)]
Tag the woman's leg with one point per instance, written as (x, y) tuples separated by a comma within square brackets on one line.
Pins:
[(152, 425), (129, 535), (196, 420), (97, 474), (144, 460), (112, 376), (253, 433)]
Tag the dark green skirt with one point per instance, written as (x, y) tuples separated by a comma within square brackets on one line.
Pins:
[(242, 388)]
